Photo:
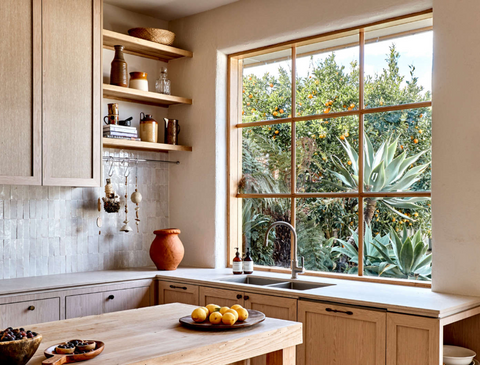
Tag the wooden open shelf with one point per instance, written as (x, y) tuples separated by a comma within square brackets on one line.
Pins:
[(143, 48), (142, 97), (142, 146)]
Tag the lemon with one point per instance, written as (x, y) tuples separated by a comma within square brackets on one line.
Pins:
[(236, 306), (223, 310), (207, 312), (199, 315), (215, 318), (229, 319), (242, 314), (234, 312), (212, 308)]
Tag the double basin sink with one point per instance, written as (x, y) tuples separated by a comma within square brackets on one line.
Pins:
[(275, 283)]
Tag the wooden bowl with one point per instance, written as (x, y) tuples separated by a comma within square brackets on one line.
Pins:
[(254, 317), (19, 352)]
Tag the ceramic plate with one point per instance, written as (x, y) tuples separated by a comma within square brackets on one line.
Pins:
[(254, 317)]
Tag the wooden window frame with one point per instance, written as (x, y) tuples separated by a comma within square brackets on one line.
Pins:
[(234, 141)]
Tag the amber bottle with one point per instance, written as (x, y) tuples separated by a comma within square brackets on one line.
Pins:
[(237, 263), (247, 263)]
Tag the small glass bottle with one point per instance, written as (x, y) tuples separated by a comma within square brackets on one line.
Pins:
[(163, 83), (247, 263), (237, 264)]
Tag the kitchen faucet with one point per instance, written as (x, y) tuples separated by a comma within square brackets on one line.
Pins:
[(294, 263)]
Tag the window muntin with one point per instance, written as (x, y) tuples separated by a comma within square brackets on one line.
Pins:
[(308, 189)]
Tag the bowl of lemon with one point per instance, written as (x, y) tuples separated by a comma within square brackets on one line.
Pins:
[(215, 318)]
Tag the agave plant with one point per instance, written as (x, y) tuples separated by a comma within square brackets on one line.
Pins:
[(390, 255), (383, 172)]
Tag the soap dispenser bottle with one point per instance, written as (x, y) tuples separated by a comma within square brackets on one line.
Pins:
[(237, 263), (247, 263)]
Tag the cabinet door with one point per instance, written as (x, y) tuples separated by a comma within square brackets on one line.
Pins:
[(20, 90), (120, 300), (83, 305), (170, 292), (71, 92), (29, 312), (412, 340), (274, 307), (334, 334), (222, 297)]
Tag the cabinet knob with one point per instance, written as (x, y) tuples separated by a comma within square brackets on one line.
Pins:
[(31, 308), (239, 296), (246, 297), (111, 297), (337, 311)]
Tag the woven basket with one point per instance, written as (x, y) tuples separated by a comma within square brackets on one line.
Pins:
[(156, 35)]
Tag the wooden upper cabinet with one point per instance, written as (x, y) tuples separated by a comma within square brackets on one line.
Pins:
[(412, 340), (20, 91), (335, 334), (71, 50)]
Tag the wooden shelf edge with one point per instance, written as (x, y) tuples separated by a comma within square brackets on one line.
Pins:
[(143, 146), (143, 48), (142, 97)]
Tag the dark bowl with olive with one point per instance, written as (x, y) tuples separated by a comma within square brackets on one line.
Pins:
[(17, 346)]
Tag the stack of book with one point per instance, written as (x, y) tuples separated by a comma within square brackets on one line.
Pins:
[(121, 132)]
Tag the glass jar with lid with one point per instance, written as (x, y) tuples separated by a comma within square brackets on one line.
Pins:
[(163, 83)]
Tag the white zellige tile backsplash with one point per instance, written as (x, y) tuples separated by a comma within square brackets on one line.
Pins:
[(52, 230)]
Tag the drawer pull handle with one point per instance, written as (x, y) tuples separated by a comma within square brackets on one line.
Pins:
[(337, 311), (31, 308), (239, 296), (178, 287), (246, 297), (111, 297)]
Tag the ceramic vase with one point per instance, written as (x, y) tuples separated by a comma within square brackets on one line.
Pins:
[(118, 70), (167, 250)]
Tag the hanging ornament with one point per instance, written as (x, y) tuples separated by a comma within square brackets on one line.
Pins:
[(136, 198), (126, 228), (111, 201), (99, 219)]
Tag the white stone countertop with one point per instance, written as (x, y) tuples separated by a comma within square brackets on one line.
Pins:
[(393, 298)]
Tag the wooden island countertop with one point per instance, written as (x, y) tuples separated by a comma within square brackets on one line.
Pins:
[(153, 336)]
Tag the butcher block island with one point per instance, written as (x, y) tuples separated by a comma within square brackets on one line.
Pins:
[(154, 335)]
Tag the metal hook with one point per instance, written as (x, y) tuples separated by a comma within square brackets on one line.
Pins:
[(110, 170), (127, 170)]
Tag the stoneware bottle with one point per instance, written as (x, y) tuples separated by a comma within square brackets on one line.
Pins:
[(118, 71), (167, 250)]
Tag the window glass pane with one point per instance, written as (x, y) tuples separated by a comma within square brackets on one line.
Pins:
[(267, 86), (327, 75), (257, 216), (398, 69), (398, 157), (389, 232), (323, 227), (266, 159), (327, 151)]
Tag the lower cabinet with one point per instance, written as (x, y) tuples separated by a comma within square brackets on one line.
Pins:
[(29, 312), (412, 340), (222, 297), (334, 334), (171, 292), (105, 302)]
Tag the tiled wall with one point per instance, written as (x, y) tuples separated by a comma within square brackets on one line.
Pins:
[(52, 230)]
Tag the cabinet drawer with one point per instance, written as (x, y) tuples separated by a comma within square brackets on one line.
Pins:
[(29, 312), (221, 297), (105, 302), (171, 292)]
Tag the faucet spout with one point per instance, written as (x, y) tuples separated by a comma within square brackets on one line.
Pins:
[(296, 269)]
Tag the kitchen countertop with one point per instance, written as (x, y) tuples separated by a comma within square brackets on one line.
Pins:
[(153, 335), (393, 298)]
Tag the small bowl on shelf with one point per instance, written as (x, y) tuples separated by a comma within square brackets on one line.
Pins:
[(456, 355), (19, 352)]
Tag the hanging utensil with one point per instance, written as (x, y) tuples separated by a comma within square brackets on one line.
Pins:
[(126, 228)]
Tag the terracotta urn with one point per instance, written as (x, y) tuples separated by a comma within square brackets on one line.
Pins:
[(167, 250)]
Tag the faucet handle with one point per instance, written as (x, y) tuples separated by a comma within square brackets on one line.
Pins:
[(302, 265)]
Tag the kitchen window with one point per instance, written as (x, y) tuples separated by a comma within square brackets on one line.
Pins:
[(311, 118)]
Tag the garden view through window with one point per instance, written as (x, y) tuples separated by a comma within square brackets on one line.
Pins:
[(307, 113)]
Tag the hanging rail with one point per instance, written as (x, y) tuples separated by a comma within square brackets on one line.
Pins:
[(135, 160)]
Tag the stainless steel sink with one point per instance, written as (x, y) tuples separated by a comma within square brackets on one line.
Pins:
[(252, 280), (276, 283)]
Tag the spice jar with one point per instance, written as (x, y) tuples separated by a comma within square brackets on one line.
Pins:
[(148, 128), (138, 80)]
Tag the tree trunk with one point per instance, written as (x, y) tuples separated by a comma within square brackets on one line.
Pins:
[(369, 210)]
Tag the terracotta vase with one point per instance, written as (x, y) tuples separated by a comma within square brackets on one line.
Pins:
[(118, 71), (167, 250)]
